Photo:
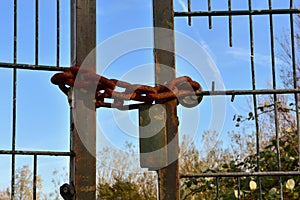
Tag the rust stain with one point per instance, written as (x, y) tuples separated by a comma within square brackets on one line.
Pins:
[(157, 68), (88, 188)]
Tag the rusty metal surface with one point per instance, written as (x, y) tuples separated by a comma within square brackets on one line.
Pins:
[(83, 138), (31, 67), (163, 17), (183, 88)]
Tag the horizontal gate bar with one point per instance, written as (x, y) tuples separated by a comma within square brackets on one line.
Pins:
[(247, 92), (31, 67), (45, 153), (236, 12), (241, 174)]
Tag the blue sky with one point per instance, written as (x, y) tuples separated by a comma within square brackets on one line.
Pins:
[(42, 109)]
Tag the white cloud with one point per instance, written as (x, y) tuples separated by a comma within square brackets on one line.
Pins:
[(206, 47), (244, 54), (183, 5)]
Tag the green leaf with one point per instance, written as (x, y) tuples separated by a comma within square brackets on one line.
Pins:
[(272, 191), (296, 195), (232, 164), (195, 182), (225, 166), (189, 184)]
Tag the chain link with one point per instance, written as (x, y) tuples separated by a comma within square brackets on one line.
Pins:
[(181, 88)]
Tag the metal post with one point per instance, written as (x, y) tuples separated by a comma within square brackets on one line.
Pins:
[(83, 41), (163, 17)]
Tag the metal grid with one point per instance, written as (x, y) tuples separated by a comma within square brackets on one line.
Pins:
[(291, 11), (15, 66), (190, 14)]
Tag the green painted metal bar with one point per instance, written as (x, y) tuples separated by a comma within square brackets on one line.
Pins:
[(152, 136)]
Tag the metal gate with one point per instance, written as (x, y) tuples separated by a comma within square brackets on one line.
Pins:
[(82, 162), (260, 180), (82, 16)]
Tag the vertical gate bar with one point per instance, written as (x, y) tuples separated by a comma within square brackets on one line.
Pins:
[(14, 112), (15, 30), (189, 10), (83, 140), (14, 130), (230, 24), (34, 176), (72, 126), (36, 32), (254, 98), (57, 33), (275, 97), (209, 17), (294, 65), (163, 17), (36, 64)]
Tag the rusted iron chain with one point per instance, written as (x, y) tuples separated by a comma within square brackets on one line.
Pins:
[(183, 88)]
